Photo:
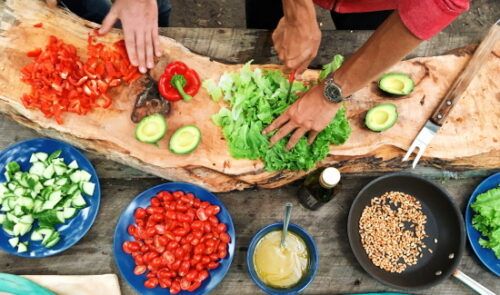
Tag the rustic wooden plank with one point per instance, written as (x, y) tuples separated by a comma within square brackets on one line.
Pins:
[(240, 45), (339, 271)]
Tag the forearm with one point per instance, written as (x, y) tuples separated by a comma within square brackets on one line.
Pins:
[(390, 43), (300, 12)]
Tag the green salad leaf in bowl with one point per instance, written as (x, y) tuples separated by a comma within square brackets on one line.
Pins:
[(487, 219)]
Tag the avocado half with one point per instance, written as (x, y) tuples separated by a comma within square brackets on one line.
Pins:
[(381, 117), (396, 84)]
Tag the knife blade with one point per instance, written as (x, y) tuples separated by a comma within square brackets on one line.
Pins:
[(291, 78), (454, 93)]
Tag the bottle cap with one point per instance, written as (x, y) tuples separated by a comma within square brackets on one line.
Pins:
[(330, 177)]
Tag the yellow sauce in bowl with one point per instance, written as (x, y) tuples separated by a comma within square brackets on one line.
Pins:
[(280, 267)]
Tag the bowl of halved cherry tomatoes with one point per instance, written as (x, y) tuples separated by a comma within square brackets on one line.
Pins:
[(174, 238)]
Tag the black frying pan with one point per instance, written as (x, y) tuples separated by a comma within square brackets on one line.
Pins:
[(444, 222)]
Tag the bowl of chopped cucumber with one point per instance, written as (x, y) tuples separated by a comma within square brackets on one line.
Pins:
[(49, 197)]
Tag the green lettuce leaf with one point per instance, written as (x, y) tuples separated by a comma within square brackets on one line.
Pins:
[(331, 67), (487, 219), (257, 97)]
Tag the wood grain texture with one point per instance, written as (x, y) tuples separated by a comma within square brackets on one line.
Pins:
[(210, 165), (252, 209), (462, 82)]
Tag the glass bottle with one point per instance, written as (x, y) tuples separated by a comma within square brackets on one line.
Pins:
[(318, 188)]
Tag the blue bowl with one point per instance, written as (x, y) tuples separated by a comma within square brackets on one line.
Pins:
[(313, 259), (74, 229), (486, 256), (126, 263)]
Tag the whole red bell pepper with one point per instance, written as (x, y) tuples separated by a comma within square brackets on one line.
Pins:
[(178, 81)]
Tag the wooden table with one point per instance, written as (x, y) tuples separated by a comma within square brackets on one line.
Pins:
[(252, 209)]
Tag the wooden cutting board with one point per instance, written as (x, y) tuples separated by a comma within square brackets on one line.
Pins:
[(469, 140)]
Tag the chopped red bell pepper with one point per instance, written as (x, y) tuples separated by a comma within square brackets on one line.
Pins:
[(61, 82), (38, 25), (179, 81)]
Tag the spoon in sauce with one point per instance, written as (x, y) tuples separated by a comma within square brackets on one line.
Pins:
[(286, 222)]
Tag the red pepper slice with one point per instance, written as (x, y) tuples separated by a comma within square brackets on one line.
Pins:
[(38, 25), (179, 82)]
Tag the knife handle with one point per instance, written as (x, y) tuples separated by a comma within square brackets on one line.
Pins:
[(471, 69)]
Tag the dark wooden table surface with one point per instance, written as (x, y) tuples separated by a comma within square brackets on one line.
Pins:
[(252, 209)]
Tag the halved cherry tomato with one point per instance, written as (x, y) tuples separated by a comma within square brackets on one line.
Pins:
[(139, 270), (151, 283)]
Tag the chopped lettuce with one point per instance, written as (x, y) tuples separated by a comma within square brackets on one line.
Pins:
[(255, 98), (487, 219), (331, 67)]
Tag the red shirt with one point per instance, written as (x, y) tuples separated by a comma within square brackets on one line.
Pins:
[(424, 18)]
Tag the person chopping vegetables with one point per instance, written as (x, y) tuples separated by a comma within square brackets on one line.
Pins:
[(140, 20), (297, 38)]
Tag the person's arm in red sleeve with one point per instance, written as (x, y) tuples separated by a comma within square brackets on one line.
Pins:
[(390, 43), (426, 18)]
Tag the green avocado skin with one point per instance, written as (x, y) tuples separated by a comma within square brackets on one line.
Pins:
[(392, 116), (387, 80)]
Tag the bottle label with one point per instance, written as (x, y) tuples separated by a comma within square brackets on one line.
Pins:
[(309, 201)]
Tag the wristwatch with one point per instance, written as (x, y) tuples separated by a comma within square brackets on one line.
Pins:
[(332, 91)]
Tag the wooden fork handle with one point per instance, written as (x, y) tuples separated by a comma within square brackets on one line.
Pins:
[(461, 83)]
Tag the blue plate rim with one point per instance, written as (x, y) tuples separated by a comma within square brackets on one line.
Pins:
[(145, 193), (97, 196), (251, 248), (468, 222)]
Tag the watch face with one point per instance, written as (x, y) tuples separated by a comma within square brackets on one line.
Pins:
[(332, 92)]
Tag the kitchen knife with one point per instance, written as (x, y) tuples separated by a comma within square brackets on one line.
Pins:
[(454, 93)]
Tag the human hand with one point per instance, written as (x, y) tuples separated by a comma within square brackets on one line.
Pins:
[(140, 27), (297, 43), (309, 114), (51, 3)]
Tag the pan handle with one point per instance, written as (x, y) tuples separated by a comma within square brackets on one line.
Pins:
[(480, 289)]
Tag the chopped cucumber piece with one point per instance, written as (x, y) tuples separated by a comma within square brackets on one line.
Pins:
[(20, 229), (22, 247), (19, 191), (37, 169), (14, 241), (69, 212), (62, 181), (88, 188), (45, 231), (54, 155), (33, 158), (49, 218), (60, 216), (49, 182), (48, 238), (12, 217), (12, 167), (48, 172), (42, 156), (2, 218), (8, 226), (75, 177), (28, 219), (78, 201), (54, 198), (73, 165), (54, 239), (85, 176), (36, 236), (60, 169), (72, 190)]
